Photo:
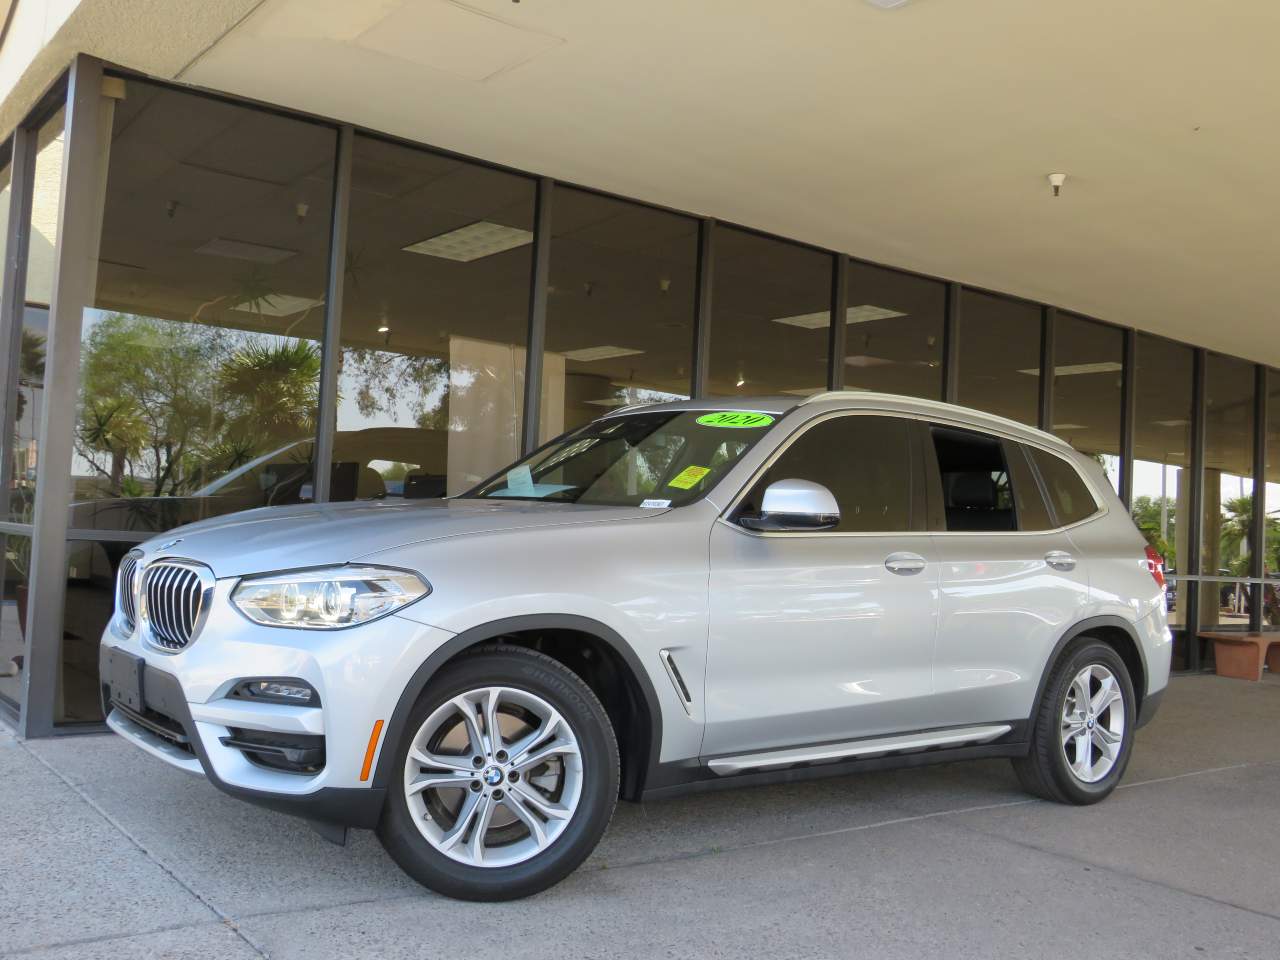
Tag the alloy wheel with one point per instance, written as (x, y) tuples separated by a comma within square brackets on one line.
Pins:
[(1093, 723), (493, 776)]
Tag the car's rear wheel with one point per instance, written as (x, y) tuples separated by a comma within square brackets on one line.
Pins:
[(507, 776), (1082, 733)]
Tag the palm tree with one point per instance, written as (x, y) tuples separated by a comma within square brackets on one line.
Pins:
[(274, 388), (1237, 533), (116, 429)]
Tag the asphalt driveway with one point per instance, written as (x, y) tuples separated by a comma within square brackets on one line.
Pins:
[(107, 853)]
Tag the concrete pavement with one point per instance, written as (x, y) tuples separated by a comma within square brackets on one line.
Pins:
[(107, 853)]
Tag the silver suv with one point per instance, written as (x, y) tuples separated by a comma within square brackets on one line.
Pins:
[(679, 596)]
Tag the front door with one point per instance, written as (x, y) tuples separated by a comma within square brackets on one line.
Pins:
[(825, 636)]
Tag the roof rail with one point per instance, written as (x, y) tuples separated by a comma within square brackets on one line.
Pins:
[(832, 395)]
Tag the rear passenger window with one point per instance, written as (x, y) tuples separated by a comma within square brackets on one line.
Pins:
[(977, 490), (865, 461), (1068, 494)]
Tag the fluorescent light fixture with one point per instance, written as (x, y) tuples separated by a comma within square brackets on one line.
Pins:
[(1075, 369), (1070, 426), (1171, 423), (384, 329), (863, 361), (859, 314), (588, 354), (278, 305), (475, 241), (244, 250)]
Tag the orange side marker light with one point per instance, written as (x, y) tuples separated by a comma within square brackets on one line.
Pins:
[(368, 754)]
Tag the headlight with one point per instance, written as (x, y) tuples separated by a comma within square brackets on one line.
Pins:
[(327, 599)]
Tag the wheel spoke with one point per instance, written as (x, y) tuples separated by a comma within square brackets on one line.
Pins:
[(1071, 727), (440, 761), (1107, 694), (1084, 753), (1080, 690), (531, 796), (1108, 742), (515, 802), (468, 710), (491, 728), (475, 846), (549, 725), (556, 748), (466, 813), (435, 781)]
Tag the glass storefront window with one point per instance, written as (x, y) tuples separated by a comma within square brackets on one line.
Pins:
[(1088, 371), (91, 574), (200, 354), (893, 338), (1163, 377), (434, 324), (1000, 356), (1225, 532), (29, 399), (771, 314), (15, 563), (1271, 542), (620, 307)]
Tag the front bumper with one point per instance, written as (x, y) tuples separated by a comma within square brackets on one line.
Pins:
[(359, 674)]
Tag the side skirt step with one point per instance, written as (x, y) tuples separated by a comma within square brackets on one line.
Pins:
[(797, 756)]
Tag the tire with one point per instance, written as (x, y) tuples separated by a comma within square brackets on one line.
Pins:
[(536, 822), (1052, 769)]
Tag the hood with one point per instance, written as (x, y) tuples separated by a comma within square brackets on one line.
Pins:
[(309, 535)]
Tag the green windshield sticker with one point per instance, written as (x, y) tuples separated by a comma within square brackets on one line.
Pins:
[(688, 478), (735, 418)]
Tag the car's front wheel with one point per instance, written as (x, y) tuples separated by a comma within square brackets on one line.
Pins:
[(507, 777), (1082, 733)]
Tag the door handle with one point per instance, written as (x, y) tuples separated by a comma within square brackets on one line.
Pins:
[(904, 563), (1060, 560)]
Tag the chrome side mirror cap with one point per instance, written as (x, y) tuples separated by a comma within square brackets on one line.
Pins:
[(795, 505)]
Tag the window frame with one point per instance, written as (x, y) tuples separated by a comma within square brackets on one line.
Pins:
[(934, 485), (919, 500), (1099, 504)]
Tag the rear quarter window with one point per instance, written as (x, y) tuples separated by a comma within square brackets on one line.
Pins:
[(1069, 495)]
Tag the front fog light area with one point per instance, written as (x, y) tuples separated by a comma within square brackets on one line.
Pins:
[(327, 599), (299, 693)]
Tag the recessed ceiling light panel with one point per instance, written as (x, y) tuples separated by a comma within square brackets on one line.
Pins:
[(244, 250), (588, 354), (822, 318), (278, 305), (475, 241), (1076, 369)]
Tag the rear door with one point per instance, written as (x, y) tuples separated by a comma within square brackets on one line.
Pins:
[(1011, 578), (825, 636)]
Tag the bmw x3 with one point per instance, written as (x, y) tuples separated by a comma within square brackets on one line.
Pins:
[(674, 597)]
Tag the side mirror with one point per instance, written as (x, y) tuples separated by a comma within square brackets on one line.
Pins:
[(795, 505)]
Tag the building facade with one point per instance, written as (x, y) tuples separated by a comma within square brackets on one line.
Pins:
[(211, 304)]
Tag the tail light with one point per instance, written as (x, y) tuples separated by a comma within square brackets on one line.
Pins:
[(1155, 565)]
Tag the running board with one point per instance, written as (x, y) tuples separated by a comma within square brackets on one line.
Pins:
[(725, 766)]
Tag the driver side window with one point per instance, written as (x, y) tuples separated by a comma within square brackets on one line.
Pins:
[(867, 464)]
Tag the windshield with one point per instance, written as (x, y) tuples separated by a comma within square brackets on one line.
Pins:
[(661, 459)]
